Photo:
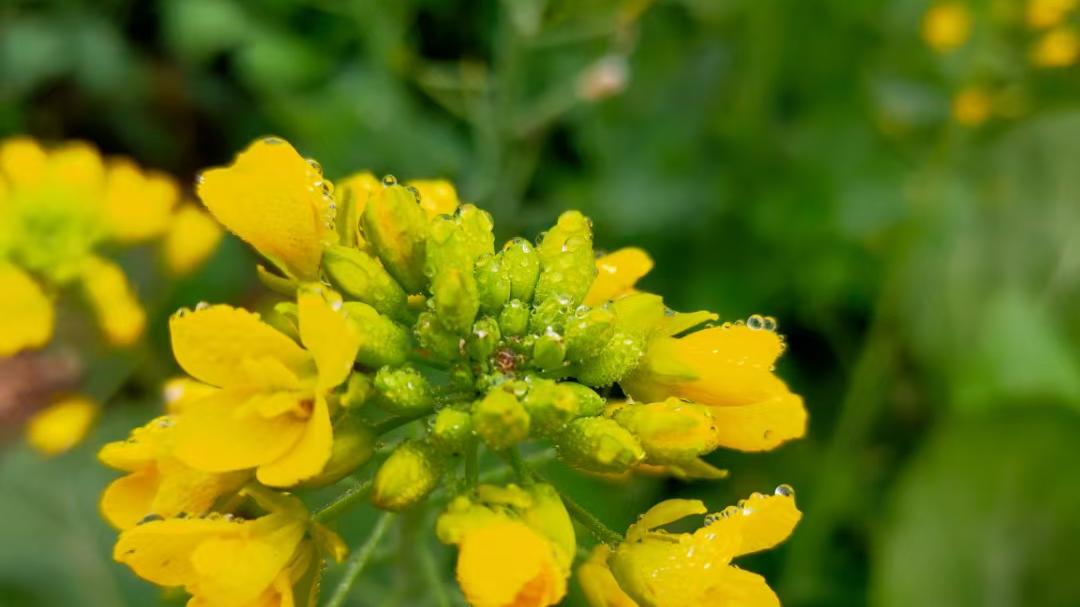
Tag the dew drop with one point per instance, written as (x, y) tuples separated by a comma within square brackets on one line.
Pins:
[(202, 305), (770, 324), (314, 164), (756, 321), (389, 180), (149, 518), (273, 140), (784, 490)]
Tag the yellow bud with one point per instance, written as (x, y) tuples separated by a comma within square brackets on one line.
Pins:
[(410, 473), (397, 229), (500, 420), (672, 431)]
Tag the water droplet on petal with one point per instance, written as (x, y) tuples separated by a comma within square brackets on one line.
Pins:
[(756, 321), (784, 490)]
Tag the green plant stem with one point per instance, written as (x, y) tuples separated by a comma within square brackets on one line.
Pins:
[(472, 465), (343, 502), (396, 422), (521, 470), (599, 530), (356, 563)]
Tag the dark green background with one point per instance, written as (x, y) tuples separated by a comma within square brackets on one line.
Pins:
[(785, 157)]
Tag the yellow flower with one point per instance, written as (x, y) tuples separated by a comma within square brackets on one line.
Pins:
[(730, 369), (118, 311), (271, 412), (598, 584), (191, 238), (971, 106), (617, 273), (276, 201), (437, 196), (1056, 48), (1048, 13), (26, 313), (157, 484), (660, 569), (515, 545), (62, 425), (946, 26), (223, 561)]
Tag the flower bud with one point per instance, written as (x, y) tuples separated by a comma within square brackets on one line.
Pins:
[(359, 389), (402, 390), (523, 265), (599, 444), (382, 341), (671, 431), (492, 283), (451, 430), (362, 277), (500, 420), (352, 195), (484, 338), (514, 318), (589, 402), (586, 335), (551, 313), (615, 361), (549, 351), (456, 300), (456, 242), (354, 445), (550, 405), (397, 229), (440, 343), (566, 256), (410, 473)]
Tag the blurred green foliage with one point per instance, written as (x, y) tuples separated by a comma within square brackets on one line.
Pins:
[(776, 156)]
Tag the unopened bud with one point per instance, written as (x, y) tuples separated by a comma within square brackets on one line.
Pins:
[(523, 265), (382, 341), (492, 283), (402, 390), (439, 342), (359, 389), (567, 259), (397, 229), (550, 405), (587, 334), (615, 361), (363, 278), (514, 318), (410, 473), (451, 430), (672, 431), (599, 444), (549, 351), (354, 445), (500, 419), (484, 338), (456, 300)]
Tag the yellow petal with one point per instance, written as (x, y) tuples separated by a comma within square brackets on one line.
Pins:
[(946, 26), (186, 490), (130, 498), (143, 447), (1058, 47), (136, 206), (191, 238), (160, 551), (598, 584), (437, 196), (79, 167), (26, 314), (761, 426), (617, 273), (212, 344), (733, 587), (22, 161), (307, 457), (179, 391), (62, 425), (118, 311), (667, 511), (760, 522), (329, 336), (274, 200), (210, 436), (507, 564)]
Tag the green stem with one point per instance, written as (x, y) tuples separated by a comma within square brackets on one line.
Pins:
[(587, 520), (355, 566), (472, 465), (521, 470), (396, 422), (343, 502)]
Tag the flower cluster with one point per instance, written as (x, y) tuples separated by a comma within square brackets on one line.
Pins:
[(398, 307), (59, 210)]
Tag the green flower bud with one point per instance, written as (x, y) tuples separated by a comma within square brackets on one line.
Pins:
[(363, 278), (462, 377), (551, 313), (456, 300), (492, 283), (410, 473), (514, 318), (549, 351), (522, 263), (456, 242), (500, 419), (599, 444), (382, 341), (588, 333), (451, 430), (397, 229), (567, 259), (359, 389), (402, 390), (436, 339), (672, 431), (589, 402), (484, 338), (618, 358), (550, 405), (354, 445)]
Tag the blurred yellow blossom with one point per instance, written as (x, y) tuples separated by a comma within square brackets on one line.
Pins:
[(61, 425), (1042, 14), (971, 106), (1056, 48), (946, 26)]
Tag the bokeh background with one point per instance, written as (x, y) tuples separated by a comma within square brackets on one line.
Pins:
[(908, 207)]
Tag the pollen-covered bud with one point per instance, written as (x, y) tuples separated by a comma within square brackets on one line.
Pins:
[(410, 473), (437, 340), (402, 390), (615, 361), (550, 405), (492, 283), (397, 229), (567, 259), (514, 318), (522, 263), (500, 419), (587, 333), (549, 351), (354, 445), (357, 392), (382, 341), (456, 300), (451, 430), (484, 338), (599, 444), (363, 278), (671, 431)]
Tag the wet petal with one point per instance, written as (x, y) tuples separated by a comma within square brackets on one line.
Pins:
[(130, 498), (761, 426), (307, 457), (329, 336), (617, 273)]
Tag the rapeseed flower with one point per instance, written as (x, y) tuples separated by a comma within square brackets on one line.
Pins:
[(946, 26)]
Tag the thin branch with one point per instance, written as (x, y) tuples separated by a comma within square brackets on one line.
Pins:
[(356, 563)]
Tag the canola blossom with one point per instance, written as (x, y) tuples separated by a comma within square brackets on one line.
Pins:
[(61, 209), (397, 309)]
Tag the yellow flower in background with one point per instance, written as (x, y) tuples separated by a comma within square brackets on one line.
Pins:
[(971, 106), (946, 26), (656, 568), (1059, 47), (61, 425), (191, 238), (515, 545), (223, 561), (157, 484), (1041, 14), (617, 273), (271, 412), (26, 312)]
